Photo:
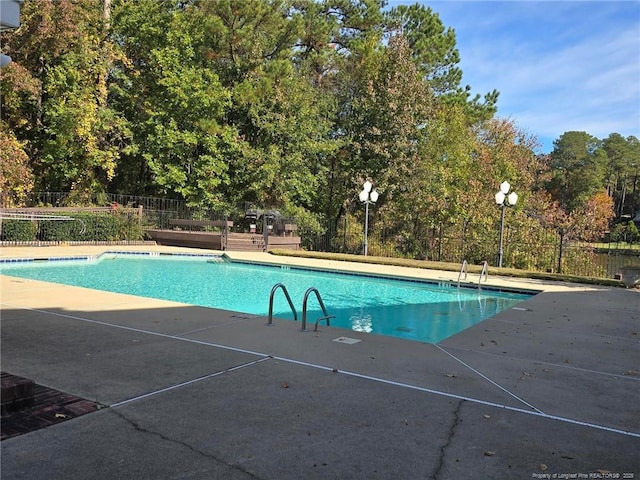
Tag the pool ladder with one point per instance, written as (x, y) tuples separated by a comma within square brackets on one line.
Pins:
[(325, 318), (286, 294), (483, 274), (463, 269)]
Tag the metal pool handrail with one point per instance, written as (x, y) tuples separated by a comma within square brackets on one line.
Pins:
[(463, 268), (485, 273), (304, 309), (286, 294)]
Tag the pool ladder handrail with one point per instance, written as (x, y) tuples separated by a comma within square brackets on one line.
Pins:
[(326, 316), (286, 294), (484, 273), (463, 268)]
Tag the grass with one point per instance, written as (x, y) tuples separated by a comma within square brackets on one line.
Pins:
[(449, 267)]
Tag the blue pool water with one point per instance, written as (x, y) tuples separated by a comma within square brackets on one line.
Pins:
[(414, 310)]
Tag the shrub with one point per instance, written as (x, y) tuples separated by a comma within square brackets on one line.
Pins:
[(582, 262), (85, 227), (625, 232), (19, 231)]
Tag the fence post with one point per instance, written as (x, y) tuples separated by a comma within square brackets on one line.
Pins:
[(560, 250), (265, 233)]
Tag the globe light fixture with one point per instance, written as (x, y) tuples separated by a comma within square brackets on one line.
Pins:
[(367, 196)]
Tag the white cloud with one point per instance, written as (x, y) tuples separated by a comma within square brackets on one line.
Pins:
[(559, 66)]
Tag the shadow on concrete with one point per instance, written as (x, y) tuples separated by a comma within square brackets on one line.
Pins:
[(204, 393)]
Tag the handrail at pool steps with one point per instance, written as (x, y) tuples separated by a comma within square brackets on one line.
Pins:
[(463, 268), (485, 273), (326, 316), (286, 294)]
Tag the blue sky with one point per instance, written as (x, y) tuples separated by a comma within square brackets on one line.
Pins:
[(559, 65)]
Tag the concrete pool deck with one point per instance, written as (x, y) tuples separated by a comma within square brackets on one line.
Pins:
[(550, 387)]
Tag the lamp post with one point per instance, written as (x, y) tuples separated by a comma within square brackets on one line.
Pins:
[(367, 196), (504, 199)]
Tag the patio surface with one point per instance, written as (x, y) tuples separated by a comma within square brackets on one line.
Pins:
[(550, 388)]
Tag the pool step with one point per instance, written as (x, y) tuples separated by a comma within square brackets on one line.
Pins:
[(244, 243)]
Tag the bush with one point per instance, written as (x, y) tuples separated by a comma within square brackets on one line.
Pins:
[(19, 231), (625, 232), (85, 227), (60, 231), (96, 227), (634, 234), (582, 262)]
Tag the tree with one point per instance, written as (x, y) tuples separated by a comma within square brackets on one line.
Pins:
[(241, 35), (434, 51), (290, 103), (138, 28), (281, 118), (390, 136), (623, 158), (590, 222), (57, 95), (182, 140), (384, 105), (16, 179), (578, 169), (284, 126), (625, 232), (500, 152)]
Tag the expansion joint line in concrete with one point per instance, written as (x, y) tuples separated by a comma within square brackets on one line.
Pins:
[(138, 330), (489, 380), (198, 330), (461, 397), (557, 365), (265, 356), (183, 384)]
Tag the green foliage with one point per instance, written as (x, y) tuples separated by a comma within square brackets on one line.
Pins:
[(634, 234), (434, 52), (349, 236), (227, 101), (16, 178), (285, 128), (583, 262), (625, 232), (57, 102), (18, 230), (85, 227), (622, 169), (578, 165), (290, 104)]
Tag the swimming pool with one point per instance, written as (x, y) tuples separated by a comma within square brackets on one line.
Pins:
[(410, 309)]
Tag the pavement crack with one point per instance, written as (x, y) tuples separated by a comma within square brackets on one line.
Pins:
[(138, 428), (443, 448)]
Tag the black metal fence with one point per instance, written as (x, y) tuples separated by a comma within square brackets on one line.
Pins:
[(50, 225), (571, 258), (65, 199), (133, 215), (121, 218)]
